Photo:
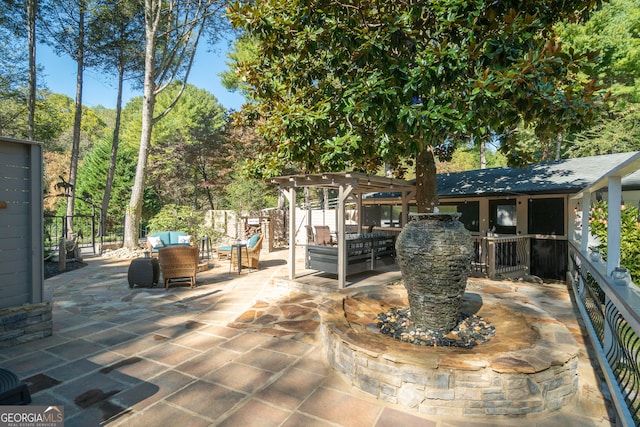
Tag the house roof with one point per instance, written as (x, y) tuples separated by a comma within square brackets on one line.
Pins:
[(563, 176)]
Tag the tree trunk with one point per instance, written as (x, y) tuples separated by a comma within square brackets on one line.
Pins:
[(426, 185), (114, 156), (134, 210), (559, 146), (75, 151), (483, 154), (32, 6)]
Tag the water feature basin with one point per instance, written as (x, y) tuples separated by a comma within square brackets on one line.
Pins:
[(529, 366)]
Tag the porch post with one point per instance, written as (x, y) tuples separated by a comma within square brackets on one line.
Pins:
[(586, 210), (491, 259), (405, 208), (614, 199)]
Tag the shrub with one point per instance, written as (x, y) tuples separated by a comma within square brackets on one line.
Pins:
[(629, 239), (177, 218)]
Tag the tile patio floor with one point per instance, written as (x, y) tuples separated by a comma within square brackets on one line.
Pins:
[(201, 357)]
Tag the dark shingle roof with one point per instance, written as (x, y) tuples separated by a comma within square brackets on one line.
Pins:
[(563, 176)]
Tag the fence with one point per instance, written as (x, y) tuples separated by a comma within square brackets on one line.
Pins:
[(610, 311), (86, 229)]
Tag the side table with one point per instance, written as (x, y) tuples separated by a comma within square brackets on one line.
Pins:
[(144, 272)]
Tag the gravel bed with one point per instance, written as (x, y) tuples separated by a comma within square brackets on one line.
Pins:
[(470, 330)]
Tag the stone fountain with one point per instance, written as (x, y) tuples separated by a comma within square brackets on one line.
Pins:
[(434, 254), (529, 366)]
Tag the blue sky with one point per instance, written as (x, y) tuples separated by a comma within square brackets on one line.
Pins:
[(100, 89)]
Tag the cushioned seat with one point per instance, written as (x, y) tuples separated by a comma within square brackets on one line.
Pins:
[(251, 258), (164, 239)]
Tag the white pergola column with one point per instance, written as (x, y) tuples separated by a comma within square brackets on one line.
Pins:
[(343, 193), (290, 194)]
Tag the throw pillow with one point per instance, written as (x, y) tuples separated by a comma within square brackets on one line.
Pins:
[(184, 239), (155, 241), (253, 240)]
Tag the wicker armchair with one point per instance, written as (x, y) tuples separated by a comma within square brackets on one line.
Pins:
[(253, 260), (178, 262), (250, 258)]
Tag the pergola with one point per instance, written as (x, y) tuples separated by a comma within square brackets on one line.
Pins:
[(350, 185)]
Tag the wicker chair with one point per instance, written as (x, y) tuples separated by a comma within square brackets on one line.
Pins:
[(178, 262), (250, 258), (253, 260)]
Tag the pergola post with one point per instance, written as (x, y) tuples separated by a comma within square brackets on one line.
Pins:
[(343, 193), (290, 194)]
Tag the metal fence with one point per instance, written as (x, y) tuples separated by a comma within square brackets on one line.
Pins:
[(86, 228), (610, 311), (55, 228)]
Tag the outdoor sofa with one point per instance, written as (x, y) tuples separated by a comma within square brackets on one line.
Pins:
[(164, 239)]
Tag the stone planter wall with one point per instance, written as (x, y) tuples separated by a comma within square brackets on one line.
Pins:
[(530, 366), (454, 392), (25, 323)]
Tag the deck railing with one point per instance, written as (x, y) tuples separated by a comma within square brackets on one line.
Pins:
[(610, 311), (507, 256)]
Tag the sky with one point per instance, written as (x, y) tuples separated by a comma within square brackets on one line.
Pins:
[(100, 89)]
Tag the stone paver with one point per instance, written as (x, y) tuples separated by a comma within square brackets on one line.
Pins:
[(236, 351)]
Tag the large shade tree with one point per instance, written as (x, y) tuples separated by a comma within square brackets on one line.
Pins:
[(353, 84), (119, 45), (172, 30), (65, 28)]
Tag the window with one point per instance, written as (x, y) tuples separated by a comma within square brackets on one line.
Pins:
[(503, 216)]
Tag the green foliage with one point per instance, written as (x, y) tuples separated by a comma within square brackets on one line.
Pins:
[(467, 158), (177, 218), (616, 132), (245, 195), (630, 236), (191, 155), (350, 85), (614, 31), (92, 175), (244, 49)]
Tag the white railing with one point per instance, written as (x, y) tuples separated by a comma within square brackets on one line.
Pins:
[(610, 311), (507, 256)]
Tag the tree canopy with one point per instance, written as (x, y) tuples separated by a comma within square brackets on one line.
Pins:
[(353, 84)]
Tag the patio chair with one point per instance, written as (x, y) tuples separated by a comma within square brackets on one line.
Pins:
[(250, 258), (310, 237), (323, 235), (178, 263)]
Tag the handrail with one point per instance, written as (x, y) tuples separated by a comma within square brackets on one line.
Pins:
[(613, 325), (501, 255)]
